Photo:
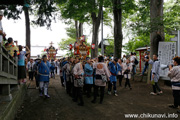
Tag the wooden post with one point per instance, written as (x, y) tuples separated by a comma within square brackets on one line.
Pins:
[(6, 95)]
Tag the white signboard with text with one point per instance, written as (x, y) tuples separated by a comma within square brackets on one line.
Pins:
[(166, 52)]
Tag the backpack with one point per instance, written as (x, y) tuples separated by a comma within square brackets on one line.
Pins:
[(136, 61)]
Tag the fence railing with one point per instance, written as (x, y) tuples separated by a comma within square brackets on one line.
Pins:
[(8, 74)]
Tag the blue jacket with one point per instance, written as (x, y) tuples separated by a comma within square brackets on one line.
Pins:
[(88, 70), (114, 71), (44, 70)]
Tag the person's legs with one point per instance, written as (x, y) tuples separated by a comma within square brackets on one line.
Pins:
[(154, 89), (126, 83), (32, 75), (51, 74), (134, 69), (62, 81), (67, 87), (144, 70), (134, 72), (80, 96), (29, 75), (88, 90), (70, 88), (95, 93), (114, 87), (176, 98), (85, 88), (109, 86), (56, 69), (120, 80), (75, 94), (157, 86), (102, 94), (37, 81), (46, 84), (41, 85)]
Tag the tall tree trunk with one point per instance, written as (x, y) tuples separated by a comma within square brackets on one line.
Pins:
[(96, 23), (118, 36), (79, 30), (157, 28), (28, 31)]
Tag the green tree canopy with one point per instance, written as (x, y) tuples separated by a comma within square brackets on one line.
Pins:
[(139, 23)]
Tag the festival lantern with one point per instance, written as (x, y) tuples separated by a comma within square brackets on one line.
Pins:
[(93, 46)]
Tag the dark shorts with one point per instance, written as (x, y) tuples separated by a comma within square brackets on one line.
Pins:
[(21, 72)]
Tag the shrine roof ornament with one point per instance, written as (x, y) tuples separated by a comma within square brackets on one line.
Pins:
[(51, 52)]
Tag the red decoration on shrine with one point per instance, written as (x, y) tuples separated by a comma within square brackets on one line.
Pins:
[(51, 51), (70, 46), (82, 38), (81, 49), (93, 46)]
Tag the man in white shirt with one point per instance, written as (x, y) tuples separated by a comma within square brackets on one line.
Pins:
[(2, 34), (132, 58)]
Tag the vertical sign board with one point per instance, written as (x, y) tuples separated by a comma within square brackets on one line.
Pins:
[(166, 52)]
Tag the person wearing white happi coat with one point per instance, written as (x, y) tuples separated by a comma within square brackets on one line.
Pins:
[(155, 75)]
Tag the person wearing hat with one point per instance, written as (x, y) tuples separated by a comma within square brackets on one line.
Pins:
[(88, 74), (44, 70), (2, 34)]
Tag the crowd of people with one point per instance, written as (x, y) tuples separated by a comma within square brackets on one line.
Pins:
[(81, 76), (88, 76)]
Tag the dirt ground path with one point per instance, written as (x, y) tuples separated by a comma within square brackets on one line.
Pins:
[(61, 107)]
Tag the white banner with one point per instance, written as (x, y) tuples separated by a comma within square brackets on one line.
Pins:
[(166, 52)]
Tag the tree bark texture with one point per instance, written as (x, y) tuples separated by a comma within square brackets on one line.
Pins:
[(118, 36), (28, 29), (79, 30), (96, 19), (157, 27)]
